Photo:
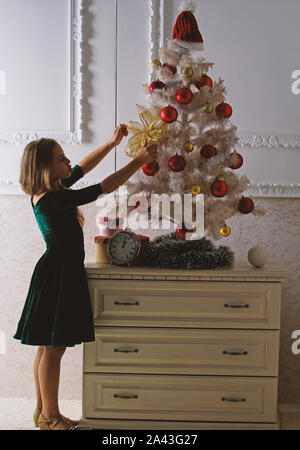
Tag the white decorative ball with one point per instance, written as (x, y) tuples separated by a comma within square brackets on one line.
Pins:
[(258, 256)]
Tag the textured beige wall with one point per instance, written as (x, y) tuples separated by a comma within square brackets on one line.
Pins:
[(22, 245)]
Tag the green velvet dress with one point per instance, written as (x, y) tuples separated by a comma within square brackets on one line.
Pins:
[(57, 309)]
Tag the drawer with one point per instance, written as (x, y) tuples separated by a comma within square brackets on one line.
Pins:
[(164, 397), (185, 304), (169, 351)]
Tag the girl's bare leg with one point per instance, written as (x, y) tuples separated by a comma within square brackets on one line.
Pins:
[(48, 377), (39, 353)]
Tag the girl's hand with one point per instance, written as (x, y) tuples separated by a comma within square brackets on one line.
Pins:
[(147, 154), (118, 134)]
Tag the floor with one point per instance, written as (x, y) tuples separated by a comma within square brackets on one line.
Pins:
[(16, 413)]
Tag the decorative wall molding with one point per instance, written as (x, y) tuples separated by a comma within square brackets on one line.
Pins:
[(269, 141), (10, 188), (273, 190), (74, 134), (155, 40), (259, 190)]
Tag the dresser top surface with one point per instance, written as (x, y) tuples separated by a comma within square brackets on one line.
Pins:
[(275, 270)]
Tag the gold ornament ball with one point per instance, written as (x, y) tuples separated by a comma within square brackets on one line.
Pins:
[(195, 189), (225, 230), (220, 178), (188, 72), (188, 147), (208, 108), (156, 63)]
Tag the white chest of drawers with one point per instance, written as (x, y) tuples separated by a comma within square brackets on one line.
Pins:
[(183, 349)]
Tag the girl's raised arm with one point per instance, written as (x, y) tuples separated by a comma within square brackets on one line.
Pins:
[(65, 199), (93, 159)]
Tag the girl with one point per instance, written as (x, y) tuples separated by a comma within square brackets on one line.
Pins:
[(57, 311)]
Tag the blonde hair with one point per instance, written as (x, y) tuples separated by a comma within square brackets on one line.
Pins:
[(35, 174)]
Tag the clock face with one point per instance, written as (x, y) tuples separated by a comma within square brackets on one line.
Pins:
[(123, 247)]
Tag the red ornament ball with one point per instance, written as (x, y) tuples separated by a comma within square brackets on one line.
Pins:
[(246, 205), (208, 151), (223, 110), (171, 68), (180, 232), (177, 163), (239, 161), (150, 168), (169, 114), (204, 81), (184, 96), (156, 85), (219, 188)]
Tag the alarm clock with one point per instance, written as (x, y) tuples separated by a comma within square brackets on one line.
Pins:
[(123, 247)]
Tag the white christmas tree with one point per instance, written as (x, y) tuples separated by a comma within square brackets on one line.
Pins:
[(186, 115)]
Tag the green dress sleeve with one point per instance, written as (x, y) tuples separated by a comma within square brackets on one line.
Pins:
[(76, 174), (68, 198)]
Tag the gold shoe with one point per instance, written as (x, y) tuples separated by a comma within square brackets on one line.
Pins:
[(37, 413), (36, 416), (50, 424), (71, 422)]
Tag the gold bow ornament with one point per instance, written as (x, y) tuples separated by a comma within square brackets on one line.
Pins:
[(151, 128)]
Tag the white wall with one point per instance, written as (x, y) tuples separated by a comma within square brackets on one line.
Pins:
[(99, 56), (254, 46), (115, 64)]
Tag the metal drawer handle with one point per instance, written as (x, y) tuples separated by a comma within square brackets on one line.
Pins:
[(127, 303), (126, 350), (225, 352), (233, 400), (234, 305), (125, 396)]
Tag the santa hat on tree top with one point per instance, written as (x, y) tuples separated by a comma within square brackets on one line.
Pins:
[(186, 33)]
